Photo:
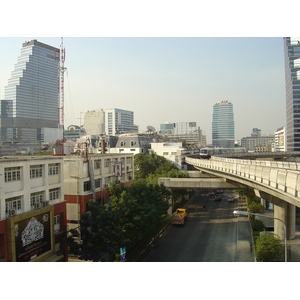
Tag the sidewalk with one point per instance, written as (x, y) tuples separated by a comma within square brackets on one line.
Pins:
[(245, 243)]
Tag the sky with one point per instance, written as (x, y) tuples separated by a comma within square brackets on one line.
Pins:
[(165, 62), (169, 79)]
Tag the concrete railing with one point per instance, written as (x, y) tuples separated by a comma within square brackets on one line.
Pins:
[(282, 176)]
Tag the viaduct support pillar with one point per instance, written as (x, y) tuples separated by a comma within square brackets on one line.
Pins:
[(287, 213)]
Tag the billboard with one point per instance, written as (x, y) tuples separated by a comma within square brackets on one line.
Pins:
[(118, 168), (32, 237)]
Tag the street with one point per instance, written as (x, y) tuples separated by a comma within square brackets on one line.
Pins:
[(208, 236)]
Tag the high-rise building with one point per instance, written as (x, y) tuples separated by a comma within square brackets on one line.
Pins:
[(29, 112), (292, 85), (223, 125), (119, 121)]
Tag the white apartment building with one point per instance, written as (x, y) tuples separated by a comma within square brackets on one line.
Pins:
[(32, 209), (174, 152)]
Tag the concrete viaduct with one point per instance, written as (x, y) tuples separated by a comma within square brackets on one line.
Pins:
[(277, 182)]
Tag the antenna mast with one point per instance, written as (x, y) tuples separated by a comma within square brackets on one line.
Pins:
[(62, 70)]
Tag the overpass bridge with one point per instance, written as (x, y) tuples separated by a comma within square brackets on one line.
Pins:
[(277, 182)]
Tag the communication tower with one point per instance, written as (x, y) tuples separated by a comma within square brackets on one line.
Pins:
[(60, 55)]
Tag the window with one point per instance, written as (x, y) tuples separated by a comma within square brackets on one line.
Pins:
[(107, 161), (36, 171), (87, 186), (12, 205), (53, 169), (56, 223), (165, 153), (97, 164), (97, 183), (54, 194), (36, 199), (12, 174)]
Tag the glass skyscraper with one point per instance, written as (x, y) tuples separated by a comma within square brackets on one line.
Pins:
[(30, 108), (223, 125), (292, 86)]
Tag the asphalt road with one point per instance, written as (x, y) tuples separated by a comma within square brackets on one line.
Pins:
[(207, 236)]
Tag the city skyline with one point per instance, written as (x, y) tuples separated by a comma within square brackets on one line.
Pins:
[(169, 79)]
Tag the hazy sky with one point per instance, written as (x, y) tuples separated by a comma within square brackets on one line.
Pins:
[(169, 79)]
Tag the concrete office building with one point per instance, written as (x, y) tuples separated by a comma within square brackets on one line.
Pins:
[(292, 84), (223, 125), (183, 131), (29, 112), (110, 122), (257, 142)]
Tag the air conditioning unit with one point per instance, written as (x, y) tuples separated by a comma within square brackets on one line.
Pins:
[(37, 205), (12, 213)]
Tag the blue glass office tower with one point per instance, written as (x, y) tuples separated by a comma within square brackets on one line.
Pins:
[(30, 107), (292, 86), (223, 125)]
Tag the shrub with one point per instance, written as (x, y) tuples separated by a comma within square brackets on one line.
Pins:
[(254, 207), (268, 248), (257, 225)]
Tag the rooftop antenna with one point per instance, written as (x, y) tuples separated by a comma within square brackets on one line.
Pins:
[(60, 55), (62, 70)]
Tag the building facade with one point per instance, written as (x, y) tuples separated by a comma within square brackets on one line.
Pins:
[(292, 85), (110, 122), (223, 125), (88, 175), (173, 152), (32, 209), (29, 112), (188, 132), (280, 139), (132, 143), (257, 142)]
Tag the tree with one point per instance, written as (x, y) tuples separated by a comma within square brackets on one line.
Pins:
[(133, 212), (254, 207), (147, 164), (268, 248)]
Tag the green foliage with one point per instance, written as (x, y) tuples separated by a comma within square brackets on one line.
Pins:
[(257, 225), (254, 207), (133, 212), (152, 166), (268, 248)]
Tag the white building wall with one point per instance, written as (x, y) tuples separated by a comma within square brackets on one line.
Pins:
[(23, 186), (94, 122), (168, 151)]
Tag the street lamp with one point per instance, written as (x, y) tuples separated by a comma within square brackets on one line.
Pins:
[(245, 213)]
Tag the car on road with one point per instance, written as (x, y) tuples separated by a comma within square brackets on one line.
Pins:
[(218, 197), (230, 199), (211, 193)]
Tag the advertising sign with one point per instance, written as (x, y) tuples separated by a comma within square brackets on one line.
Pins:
[(32, 237), (118, 168)]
